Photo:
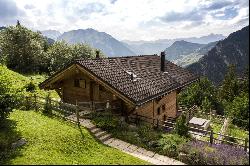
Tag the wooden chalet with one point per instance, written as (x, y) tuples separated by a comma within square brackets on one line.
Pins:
[(146, 85)]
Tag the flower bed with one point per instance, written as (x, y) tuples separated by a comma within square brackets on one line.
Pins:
[(203, 153)]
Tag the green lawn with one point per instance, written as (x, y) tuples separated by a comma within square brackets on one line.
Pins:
[(54, 141)]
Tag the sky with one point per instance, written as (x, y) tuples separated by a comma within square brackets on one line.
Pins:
[(130, 19)]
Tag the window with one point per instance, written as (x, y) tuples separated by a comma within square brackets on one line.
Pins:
[(158, 111), (77, 83), (81, 83)]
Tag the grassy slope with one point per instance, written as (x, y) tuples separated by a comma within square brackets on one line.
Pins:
[(53, 141), (16, 82), (11, 79)]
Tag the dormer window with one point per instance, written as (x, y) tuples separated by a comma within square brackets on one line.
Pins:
[(133, 76)]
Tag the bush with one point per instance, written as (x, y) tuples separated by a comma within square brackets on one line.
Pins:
[(7, 103), (202, 153), (169, 144), (148, 135), (106, 120), (47, 107), (30, 87), (181, 127)]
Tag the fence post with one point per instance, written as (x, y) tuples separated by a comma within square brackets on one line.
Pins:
[(136, 118), (35, 102), (211, 137), (77, 114), (107, 105), (93, 106), (27, 103), (246, 141)]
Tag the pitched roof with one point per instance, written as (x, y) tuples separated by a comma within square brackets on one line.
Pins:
[(150, 81)]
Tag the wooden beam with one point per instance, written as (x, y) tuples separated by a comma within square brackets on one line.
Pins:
[(57, 77)]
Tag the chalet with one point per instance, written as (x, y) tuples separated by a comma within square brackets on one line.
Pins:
[(146, 85)]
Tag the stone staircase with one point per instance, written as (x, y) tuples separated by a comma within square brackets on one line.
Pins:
[(128, 148), (100, 134)]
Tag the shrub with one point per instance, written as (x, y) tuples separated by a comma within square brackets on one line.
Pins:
[(47, 107), (7, 103), (181, 127), (148, 135), (202, 153), (169, 144), (30, 87), (106, 120)]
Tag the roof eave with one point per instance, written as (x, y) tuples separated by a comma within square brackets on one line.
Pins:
[(139, 103)]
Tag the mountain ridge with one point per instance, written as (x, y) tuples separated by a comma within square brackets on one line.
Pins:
[(100, 40), (232, 50)]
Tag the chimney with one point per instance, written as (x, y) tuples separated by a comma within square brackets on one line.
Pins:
[(97, 54), (163, 61), (132, 76)]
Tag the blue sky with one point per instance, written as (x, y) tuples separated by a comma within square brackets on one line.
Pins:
[(130, 19)]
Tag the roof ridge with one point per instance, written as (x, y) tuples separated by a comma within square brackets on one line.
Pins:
[(114, 57)]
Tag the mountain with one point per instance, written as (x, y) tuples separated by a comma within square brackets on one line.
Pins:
[(232, 50), (53, 34), (193, 54), (154, 47), (147, 47), (205, 39), (101, 40), (179, 48), (50, 41)]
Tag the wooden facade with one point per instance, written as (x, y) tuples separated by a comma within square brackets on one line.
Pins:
[(160, 108)]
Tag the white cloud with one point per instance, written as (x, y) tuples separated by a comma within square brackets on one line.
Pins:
[(137, 19)]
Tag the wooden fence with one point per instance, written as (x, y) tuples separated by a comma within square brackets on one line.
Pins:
[(209, 135), (59, 108)]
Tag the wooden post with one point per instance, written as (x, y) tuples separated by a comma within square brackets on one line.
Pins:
[(77, 114), (136, 119), (93, 106), (35, 98), (107, 105), (157, 124), (211, 137), (246, 141)]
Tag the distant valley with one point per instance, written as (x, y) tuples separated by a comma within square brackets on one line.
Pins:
[(232, 50), (155, 47), (184, 53)]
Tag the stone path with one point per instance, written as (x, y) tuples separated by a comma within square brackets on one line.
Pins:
[(128, 148)]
